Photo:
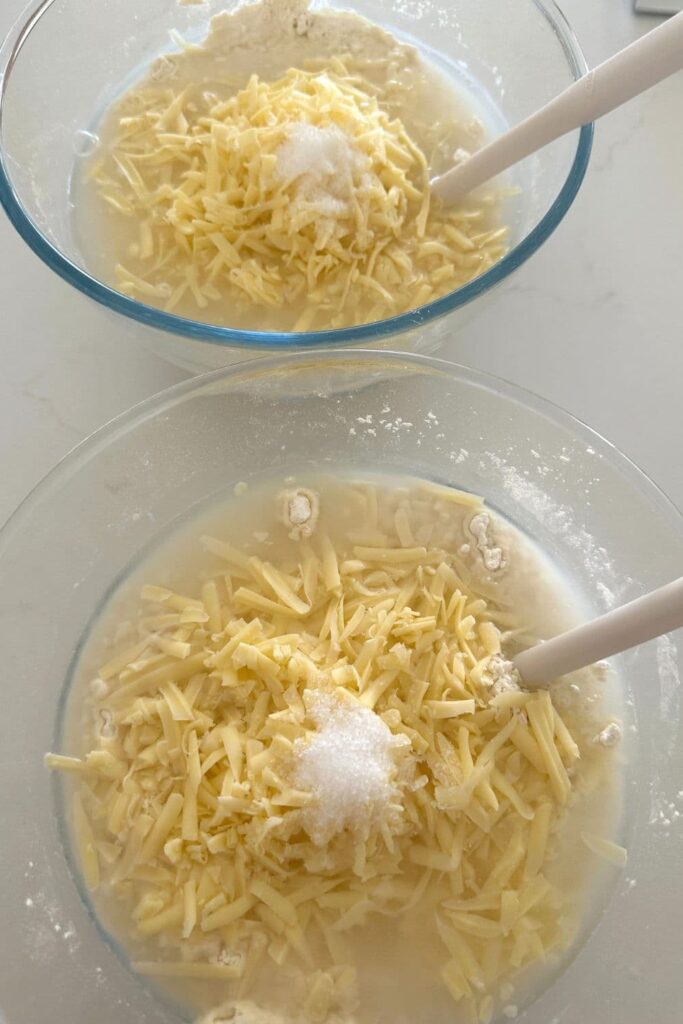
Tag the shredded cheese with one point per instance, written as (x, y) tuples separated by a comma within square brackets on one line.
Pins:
[(605, 848), (300, 194), (328, 750)]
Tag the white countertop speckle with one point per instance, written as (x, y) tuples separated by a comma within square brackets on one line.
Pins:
[(592, 324)]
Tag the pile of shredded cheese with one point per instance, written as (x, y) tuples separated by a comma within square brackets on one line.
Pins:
[(297, 748), (300, 197)]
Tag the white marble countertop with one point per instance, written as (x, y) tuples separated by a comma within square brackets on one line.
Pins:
[(593, 324)]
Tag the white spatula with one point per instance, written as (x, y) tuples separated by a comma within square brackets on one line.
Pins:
[(643, 619), (630, 72)]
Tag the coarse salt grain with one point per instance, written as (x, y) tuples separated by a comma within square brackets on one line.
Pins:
[(348, 765)]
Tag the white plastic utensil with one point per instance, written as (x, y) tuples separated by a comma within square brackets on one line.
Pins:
[(628, 73), (643, 619)]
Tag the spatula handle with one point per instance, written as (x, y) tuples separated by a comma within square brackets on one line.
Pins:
[(631, 71), (647, 617)]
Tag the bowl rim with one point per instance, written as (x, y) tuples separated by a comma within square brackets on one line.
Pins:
[(198, 330), (78, 456)]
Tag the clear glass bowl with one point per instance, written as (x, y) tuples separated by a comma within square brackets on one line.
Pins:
[(66, 59), (591, 509)]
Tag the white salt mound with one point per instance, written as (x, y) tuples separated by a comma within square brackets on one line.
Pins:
[(322, 162), (348, 765), (316, 151)]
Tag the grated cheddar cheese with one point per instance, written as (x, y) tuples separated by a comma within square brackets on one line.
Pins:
[(300, 197), (303, 746)]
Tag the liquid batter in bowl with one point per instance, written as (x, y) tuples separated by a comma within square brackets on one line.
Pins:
[(275, 176), (308, 785)]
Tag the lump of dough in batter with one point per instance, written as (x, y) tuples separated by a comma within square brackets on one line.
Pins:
[(243, 1012), (299, 511), (247, 1012)]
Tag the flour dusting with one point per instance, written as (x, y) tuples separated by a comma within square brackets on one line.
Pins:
[(560, 520)]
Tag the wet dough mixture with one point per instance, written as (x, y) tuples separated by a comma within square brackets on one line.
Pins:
[(309, 768), (276, 177)]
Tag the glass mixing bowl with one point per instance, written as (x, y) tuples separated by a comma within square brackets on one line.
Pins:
[(598, 517), (66, 60)]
